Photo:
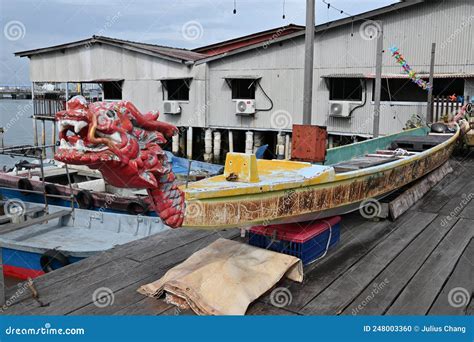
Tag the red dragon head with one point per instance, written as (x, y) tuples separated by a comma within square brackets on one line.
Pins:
[(124, 145)]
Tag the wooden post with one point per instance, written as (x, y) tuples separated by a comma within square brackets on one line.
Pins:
[(53, 135), (308, 63), (43, 138), (429, 109), (35, 131), (378, 79)]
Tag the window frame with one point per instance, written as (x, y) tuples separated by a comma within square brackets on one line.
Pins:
[(331, 85), (165, 88)]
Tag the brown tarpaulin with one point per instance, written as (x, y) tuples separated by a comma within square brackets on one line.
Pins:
[(224, 278)]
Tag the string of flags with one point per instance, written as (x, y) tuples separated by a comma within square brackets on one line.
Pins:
[(412, 74)]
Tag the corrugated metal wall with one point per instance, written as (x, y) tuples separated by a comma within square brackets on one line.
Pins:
[(343, 50), (340, 50)]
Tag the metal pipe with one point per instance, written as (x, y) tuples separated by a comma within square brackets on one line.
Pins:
[(378, 79), (71, 195), (37, 192), (308, 63), (43, 182)]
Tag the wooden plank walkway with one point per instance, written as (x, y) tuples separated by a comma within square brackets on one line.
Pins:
[(414, 265)]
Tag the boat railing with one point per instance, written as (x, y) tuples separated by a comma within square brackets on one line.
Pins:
[(36, 152)]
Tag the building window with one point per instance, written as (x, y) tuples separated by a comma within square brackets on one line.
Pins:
[(345, 89), (404, 90), (112, 90), (177, 89), (243, 88)]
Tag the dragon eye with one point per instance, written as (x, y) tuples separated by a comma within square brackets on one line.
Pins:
[(110, 114)]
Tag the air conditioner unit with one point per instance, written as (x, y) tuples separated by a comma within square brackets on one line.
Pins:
[(171, 107), (245, 107), (340, 109)]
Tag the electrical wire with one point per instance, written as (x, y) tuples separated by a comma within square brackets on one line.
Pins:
[(269, 99)]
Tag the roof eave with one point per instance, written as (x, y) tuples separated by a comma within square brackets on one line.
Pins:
[(83, 42)]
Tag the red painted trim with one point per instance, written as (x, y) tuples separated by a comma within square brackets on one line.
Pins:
[(20, 272)]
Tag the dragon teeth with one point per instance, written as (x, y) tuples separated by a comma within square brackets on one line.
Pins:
[(78, 125)]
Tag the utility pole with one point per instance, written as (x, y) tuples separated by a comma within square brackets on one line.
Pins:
[(429, 109), (308, 63), (378, 79)]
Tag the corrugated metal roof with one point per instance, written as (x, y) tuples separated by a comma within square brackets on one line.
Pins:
[(399, 76), (320, 28), (171, 53)]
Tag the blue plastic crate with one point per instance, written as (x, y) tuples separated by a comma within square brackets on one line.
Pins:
[(307, 242)]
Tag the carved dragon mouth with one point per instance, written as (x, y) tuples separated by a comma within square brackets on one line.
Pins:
[(82, 140)]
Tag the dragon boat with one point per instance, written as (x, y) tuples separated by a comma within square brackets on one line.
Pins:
[(124, 145)]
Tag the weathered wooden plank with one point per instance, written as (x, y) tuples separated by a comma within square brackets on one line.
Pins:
[(383, 289), (348, 286), (418, 296), (162, 243), (355, 242), (259, 308), (78, 294), (459, 287), (468, 211), (442, 192), (406, 200), (55, 292), (149, 271)]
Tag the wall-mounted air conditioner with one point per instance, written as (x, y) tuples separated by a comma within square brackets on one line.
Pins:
[(340, 109), (245, 107), (171, 107)]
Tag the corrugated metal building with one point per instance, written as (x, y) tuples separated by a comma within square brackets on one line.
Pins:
[(205, 86)]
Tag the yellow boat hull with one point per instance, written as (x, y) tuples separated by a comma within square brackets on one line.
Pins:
[(289, 191)]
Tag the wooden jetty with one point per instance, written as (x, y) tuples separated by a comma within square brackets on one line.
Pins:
[(409, 266)]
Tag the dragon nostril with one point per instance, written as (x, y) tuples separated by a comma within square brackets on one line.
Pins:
[(110, 114)]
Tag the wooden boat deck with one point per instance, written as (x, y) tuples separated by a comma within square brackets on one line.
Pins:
[(402, 267)]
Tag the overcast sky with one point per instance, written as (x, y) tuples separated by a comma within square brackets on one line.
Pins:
[(29, 24)]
